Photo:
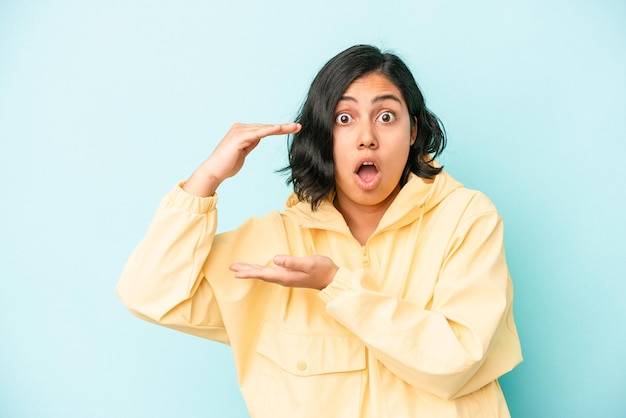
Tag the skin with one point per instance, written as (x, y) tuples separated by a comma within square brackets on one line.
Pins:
[(371, 124)]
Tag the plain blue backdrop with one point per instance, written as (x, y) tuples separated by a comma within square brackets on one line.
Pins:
[(104, 105)]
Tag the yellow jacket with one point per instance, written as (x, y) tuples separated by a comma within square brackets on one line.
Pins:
[(417, 322)]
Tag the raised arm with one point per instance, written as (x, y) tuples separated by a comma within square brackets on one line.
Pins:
[(163, 280), (228, 157)]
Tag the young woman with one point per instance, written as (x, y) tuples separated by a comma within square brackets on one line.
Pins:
[(380, 291)]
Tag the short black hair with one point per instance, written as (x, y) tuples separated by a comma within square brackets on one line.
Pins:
[(311, 150)]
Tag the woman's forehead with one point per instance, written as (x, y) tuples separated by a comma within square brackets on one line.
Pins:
[(373, 87)]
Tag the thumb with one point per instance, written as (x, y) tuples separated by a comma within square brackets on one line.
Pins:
[(285, 261)]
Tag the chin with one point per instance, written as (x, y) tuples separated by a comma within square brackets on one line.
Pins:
[(374, 198)]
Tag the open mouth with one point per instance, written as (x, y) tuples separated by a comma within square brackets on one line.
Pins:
[(367, 175), (367, 171)]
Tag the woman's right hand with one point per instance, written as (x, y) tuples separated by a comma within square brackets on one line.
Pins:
[(228, 157)]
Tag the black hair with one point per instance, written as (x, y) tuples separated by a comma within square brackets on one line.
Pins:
[(311, 150)]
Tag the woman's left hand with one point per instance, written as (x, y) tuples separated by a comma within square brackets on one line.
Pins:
[(314, 272)]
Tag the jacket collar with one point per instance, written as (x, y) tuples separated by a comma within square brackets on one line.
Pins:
[(418, 196)]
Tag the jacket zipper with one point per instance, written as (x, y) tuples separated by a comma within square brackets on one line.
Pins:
[(365, 257), (365, 254)]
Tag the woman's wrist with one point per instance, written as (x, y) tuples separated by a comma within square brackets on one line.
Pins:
[(202, 183)]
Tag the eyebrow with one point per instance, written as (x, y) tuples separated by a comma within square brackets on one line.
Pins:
[(374, 100)]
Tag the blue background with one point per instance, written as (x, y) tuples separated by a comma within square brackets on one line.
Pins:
[(104, 105)]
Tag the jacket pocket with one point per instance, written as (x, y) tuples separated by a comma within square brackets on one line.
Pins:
[(306, 355), (306, 375)]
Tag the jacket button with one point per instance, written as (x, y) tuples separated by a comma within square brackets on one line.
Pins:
[(301, 366)]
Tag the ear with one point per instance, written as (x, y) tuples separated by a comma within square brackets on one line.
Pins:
[(413, 130)]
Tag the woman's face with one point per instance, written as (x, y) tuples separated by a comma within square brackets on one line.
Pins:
[(372, 135)]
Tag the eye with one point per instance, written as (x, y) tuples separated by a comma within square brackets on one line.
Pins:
[(387, 117), (343, 118)]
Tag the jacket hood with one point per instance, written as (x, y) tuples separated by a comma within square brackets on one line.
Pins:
[(417, 197)]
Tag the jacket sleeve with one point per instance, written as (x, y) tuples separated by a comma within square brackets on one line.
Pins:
[(162, 281), (465, 339)]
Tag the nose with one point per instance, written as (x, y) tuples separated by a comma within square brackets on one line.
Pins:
[(367, 137)]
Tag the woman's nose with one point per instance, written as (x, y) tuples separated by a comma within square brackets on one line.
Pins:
[(367, 138)]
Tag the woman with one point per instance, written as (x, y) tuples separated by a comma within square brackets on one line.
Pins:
[(380, 291)]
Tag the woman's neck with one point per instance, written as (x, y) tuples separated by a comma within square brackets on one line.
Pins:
[(362, 220)]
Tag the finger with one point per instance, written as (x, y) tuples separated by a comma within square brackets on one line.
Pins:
[(244, 266), (289, 128), (269, 274), (252, 134), (254, 273), (250, 145), (261, 131), (293, 263)]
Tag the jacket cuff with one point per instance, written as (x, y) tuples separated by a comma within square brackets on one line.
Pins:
[(343, 281), (179, 198)]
